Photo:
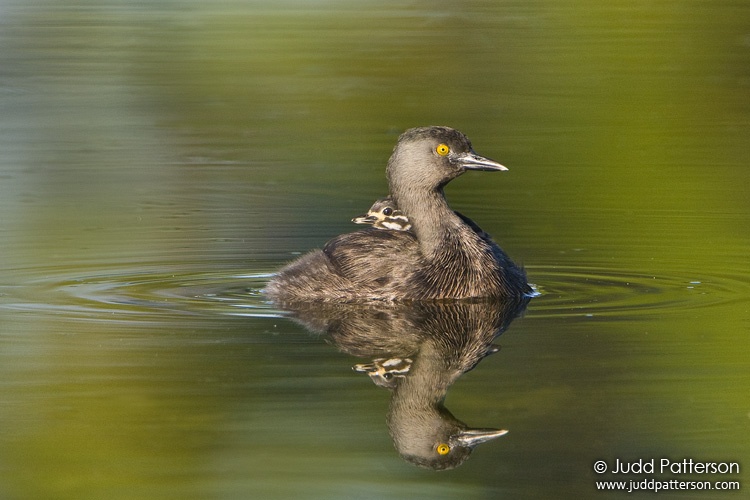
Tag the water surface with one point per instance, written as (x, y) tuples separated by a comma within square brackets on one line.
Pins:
[(158, 162)]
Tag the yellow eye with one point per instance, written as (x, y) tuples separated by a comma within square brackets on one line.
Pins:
[(443, 448), (442, 150)]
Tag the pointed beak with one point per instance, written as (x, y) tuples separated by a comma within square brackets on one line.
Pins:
[(473, 161), (473, 437), (364, 367), (365, 219)]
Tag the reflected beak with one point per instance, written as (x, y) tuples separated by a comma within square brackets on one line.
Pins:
[(473, 161), (473, 437), (365, 219)]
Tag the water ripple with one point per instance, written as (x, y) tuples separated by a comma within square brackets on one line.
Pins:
[(147, 294), (601, 292), (141, 293)]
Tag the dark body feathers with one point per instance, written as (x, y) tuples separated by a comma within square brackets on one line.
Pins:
[(444, 256)]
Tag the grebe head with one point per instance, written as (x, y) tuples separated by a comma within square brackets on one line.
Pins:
[(384, 214), (427, 158)]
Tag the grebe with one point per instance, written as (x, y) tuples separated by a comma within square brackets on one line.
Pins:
[(384, 214), (443, 255)]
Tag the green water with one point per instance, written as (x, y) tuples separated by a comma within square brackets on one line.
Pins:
[(158, 161)]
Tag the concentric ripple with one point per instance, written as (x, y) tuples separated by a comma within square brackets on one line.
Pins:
[(141, 293), (147, 294), (597, 292)]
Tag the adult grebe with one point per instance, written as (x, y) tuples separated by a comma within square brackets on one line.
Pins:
[(443, 256)]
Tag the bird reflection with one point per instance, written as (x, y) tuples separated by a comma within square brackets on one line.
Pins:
[(385, 372), (417, 351)]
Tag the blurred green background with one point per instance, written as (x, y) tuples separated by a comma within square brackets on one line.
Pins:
[(157, 158)]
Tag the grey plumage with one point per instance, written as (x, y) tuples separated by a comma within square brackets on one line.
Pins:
[(444, 256), (439, 342)]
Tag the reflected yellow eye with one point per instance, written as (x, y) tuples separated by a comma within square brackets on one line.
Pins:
[(442, 150), (443, 448)]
